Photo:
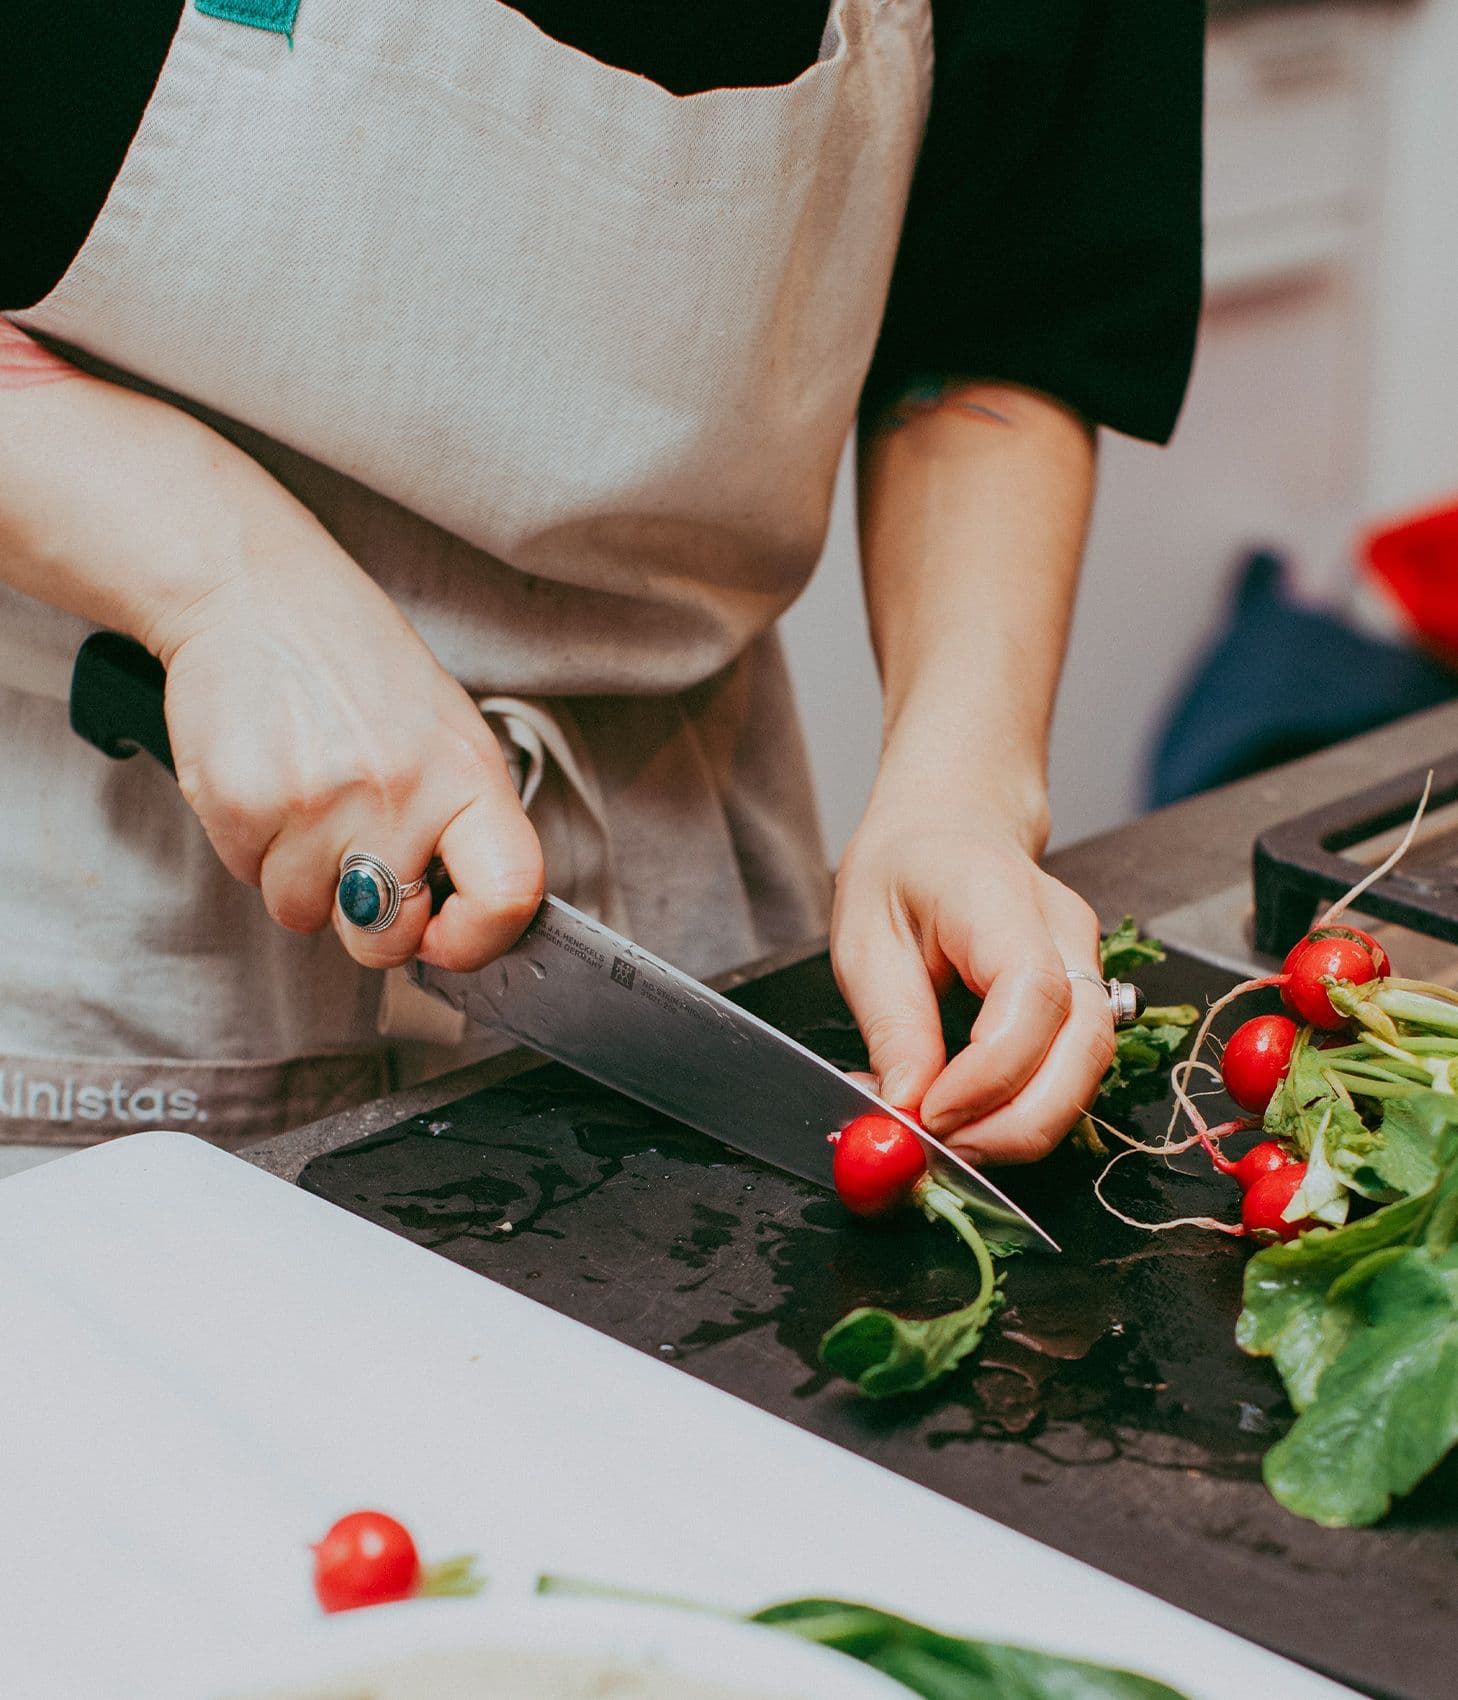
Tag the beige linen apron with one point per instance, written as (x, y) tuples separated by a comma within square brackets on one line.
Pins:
[(565, 362)]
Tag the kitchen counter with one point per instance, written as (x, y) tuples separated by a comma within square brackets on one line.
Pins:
[(1172, 859), (1109, 1416)]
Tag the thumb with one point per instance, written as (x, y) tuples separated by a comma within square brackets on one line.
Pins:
[(890, 993)]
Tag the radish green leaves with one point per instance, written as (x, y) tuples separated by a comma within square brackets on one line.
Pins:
[(1362, 1324), (947, 1667), (885, 1354)]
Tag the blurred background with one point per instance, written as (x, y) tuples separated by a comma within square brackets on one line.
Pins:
[(1227, 618)]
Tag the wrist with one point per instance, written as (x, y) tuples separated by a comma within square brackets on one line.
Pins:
[(963, 768), (984, 770), (237, 545)]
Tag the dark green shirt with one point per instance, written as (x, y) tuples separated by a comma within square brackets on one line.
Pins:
[(1053, 234)]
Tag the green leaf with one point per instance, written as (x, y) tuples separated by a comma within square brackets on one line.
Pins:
[(1362, 1324), (1391, 1162), (1124, 949), (1287, 1316), (1401, 1162), (1147, 1045), (1322, 1195), (1306, 1106), (886, 1354), (1386, 1408), (946, 1667), (1312, 1115)]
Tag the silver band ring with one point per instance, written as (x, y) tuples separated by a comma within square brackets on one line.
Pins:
[(1126, 1003), (370, 892)]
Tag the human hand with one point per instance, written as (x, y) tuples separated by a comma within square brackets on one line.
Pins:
[(308, 719), (918, 907)]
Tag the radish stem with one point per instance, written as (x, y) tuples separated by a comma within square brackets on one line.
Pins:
[(1362, 1088), (573, 1587), (1420, 1007), (1403, 1061), (941, 1201), (1403, 1070), (1425, 1045), (1428, 988)]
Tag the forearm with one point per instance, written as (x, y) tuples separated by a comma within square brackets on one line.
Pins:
[(113, 505), (973, 514), (135, 515)]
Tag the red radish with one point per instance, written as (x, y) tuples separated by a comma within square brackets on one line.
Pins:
[(1267, 1196), (366, 1559), (1256, 1060), (1316, 959), (878, 1162), (1262, 1159), (1340, 930)]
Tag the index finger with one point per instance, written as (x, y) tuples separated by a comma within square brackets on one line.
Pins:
[(1027, 1000), (494, 859), (1066, 1084)]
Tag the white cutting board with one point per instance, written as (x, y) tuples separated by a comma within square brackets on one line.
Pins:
[(202, 1366)]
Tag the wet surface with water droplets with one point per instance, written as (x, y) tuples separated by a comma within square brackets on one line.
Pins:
[(1108, 1413)]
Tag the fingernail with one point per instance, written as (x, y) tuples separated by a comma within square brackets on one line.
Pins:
[(946, 1122), (897, 1085)]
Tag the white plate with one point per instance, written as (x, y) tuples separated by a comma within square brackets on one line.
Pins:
[(762, 1663)]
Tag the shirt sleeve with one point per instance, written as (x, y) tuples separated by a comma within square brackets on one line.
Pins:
[(1052, 237), (74, 81)]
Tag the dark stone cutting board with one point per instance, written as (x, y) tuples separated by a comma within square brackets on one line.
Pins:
[(1108, 1414)]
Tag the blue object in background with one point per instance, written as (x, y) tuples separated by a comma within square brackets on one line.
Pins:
[(1281, 681)]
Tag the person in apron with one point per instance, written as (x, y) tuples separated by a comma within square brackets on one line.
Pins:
[(453, 411)]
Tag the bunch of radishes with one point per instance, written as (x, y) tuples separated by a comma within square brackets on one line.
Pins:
[(1258, 1054)]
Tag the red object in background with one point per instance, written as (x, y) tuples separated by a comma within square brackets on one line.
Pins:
[(1417, 560)]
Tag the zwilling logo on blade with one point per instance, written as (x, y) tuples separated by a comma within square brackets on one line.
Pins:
[(624, 972)]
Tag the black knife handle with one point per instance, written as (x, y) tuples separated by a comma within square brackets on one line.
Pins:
[(116, 698), (117, 693)]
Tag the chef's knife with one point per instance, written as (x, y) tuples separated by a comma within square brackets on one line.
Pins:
[(580, 993)]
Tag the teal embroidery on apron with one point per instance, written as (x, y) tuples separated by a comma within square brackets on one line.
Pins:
[(275, 15)]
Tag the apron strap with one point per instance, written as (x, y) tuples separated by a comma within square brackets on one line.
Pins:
[(560, 790), (555, 780)]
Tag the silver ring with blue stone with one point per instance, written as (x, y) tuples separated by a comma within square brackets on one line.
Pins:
[(370, 892)]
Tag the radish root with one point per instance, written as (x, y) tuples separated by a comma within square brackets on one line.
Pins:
[(1184, 1071), (1342, 904), (1209, 1223)]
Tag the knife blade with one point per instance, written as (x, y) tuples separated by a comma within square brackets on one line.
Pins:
[(584, 995)]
